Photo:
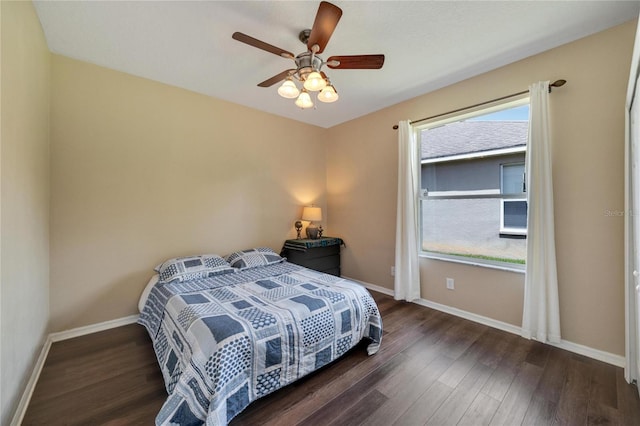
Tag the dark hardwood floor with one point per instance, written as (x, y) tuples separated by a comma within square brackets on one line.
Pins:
[(432, 368)]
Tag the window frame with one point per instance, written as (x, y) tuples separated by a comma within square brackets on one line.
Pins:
[(505, 231), (423, 194)]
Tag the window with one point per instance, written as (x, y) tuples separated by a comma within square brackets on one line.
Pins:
[(473, 199), (513, 213), (513, 217), (512, 178)]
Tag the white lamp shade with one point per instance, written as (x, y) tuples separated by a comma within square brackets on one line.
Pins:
[(304, 100), (328, 95), (312, 214), (314, 82), (288, 89)]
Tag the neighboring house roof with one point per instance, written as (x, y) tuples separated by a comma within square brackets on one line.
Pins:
[(464, 137)]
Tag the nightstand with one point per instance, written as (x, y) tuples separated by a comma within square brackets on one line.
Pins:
[(322, 254)]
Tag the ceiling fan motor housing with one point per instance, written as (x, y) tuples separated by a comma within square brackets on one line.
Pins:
[(307, 62)]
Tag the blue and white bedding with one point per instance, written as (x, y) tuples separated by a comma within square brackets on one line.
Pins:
[(227, 340)]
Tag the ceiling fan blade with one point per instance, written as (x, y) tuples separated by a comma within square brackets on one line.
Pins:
[(356, 62), (326, 20), (262, 45), (276, 78)]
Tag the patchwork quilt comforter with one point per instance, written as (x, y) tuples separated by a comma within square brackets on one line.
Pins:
[(227, 340)]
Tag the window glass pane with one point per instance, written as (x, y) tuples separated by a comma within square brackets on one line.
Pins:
[(460, 226), (512, 178), (515, 214), (466, 167)]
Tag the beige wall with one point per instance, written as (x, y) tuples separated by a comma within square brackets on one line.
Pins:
[(142, 172), (588, 132), (24, 198)]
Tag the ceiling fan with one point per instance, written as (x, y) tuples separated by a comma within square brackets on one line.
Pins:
[(308, 64)]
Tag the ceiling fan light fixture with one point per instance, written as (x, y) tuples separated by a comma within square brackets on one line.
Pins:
[(314, 82), (328, 95), (309, 63), (304, 100), (288, 89)]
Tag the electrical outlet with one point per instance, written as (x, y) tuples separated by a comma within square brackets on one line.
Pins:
[(450, 283), (393, 271)]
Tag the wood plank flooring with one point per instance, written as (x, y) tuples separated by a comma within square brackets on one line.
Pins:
[(432, 369)]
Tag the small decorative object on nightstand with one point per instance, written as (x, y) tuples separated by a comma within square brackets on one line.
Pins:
[(311, 214), (321, 254), (320, 231), (298, 226)]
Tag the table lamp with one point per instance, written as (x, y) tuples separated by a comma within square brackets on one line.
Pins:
[(312, 214)]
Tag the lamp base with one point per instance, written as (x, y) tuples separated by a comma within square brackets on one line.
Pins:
[(312, 232)]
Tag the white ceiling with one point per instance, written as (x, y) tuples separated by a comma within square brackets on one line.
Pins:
[(427, 44)]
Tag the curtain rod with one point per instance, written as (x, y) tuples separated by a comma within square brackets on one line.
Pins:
[(557, 83)]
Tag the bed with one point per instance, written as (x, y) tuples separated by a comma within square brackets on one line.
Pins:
[(227, 331)]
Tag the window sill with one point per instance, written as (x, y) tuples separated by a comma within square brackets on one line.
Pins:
[(502, 266), (512, 235)]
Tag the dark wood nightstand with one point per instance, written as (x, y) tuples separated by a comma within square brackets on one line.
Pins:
[(322, 254)]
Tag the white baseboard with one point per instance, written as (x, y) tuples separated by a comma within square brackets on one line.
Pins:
[(609, 358), (500, 325), (93, 328), (56, 337), (31, 384), (373, 287)]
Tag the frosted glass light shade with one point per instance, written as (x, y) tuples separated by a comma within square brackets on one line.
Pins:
[(288, 89), (314, 82), (328, 95), (312, 214), (304, 100)]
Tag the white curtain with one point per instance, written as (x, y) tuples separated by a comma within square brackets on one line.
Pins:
[(541, 314), (407, 275)]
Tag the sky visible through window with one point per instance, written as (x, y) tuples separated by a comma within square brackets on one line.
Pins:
[(511, 114)]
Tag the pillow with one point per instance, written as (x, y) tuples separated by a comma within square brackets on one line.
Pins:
[(252, 258), (192, 268)]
